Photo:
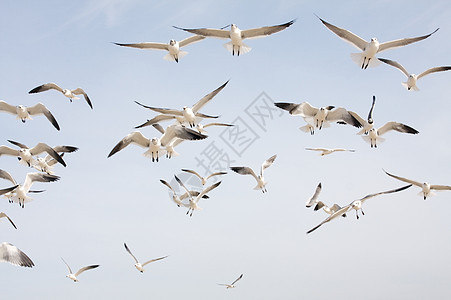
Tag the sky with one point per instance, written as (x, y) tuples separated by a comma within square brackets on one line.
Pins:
[(398, 249)]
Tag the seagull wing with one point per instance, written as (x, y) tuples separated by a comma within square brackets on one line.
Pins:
[(192, 172), (336, 214), (20, 145), (46, 87), (201, 103), (13, 255), (166, 111), (40, 177), (217, 124), (370, 114), (244, 171), (70, 271), (85, 269), (440, 187), (152, 260), (135, 137), (156, 46), (207, 190), (241, 276), (42, 147), (403, 42), (267, 163), (314, 198), (215, 174), (185, 134), (208, 32), (405, 179), (41, 109), (8, 107), (156, 120), (433, 70), (341, 114), (395, 64), (347, 35), (167, 184), (8, 151), (65, 149), (263, 31), (385, 192), (159, 128), (292, 108), (3, 215), (4, 191), (190, 40), (128, 250), (80, 91), (7, 176), (396, 126)]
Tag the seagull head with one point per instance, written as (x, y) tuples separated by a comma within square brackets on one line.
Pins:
[(155, 141), (172, 42), (370, 120)]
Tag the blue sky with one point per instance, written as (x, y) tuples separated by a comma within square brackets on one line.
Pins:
[(399, 249)]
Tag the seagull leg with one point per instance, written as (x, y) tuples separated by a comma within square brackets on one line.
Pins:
[(367, 63), (362, 212), (357, 214), (363, 63)]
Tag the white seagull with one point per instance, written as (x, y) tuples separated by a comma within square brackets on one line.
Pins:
[(318, 204), (25, 154), (236, 45), (204, 179), (24, 113), (138, 265), (356, 205), (188, 114), (314, 199), (13, 255), (231, 285), (426, 188), (45, 164), (19, 194), (369, 49), (411, 83), (73, 276), (178, 199), (326, 151), (261, 184), (173, 47), (374, 135), (3, 215), (71, 94), (318, 117)]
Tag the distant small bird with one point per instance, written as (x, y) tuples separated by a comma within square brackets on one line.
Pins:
[(411, 83), (13, 255), (326, 151), (314, 199), (25, 154), (173, 47), (73, 276), (3, 215), (138, 265), (261, 184), (426, 188), (24, 113), (356, 205), (71, 94), (178, 199), (236, 45), (231, 285), (204, 179), (369, 49)]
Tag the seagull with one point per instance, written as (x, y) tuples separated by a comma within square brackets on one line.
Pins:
[(236, 45), (154, 145), (374, 135), (204, 179), (426, 188), (173, 47), (329, 210), (25, 154), (411, 83), (356, 205), (232, 285), (261, 184), (314, 199), (73, 276), (367, 124), (19, 194), (68, 93), (319, 117), (24, 113), (188, 114), (192, 205), (200, 127), (3, 215), (138, 265), (326, 151), (178, 199), (45, 164), (369, 49), (13, 255)]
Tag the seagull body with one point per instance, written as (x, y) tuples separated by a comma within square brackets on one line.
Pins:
[(173, 47), (326, 151), (318, 117), (154, 150), (356, 205), (25, 154), (411, 83), (73, 276), (138, 265), (24, 113), (426, 188), (20, 193), (13, 255), (236, 45), (231, 285), (71, 94), (261, 184), (204, 179), (369, 49)]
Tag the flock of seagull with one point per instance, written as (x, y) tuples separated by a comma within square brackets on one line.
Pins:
[(187, 126)]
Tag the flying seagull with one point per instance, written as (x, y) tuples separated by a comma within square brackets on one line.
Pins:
[(367, 58), (204, 179), (231, 285), (173, 47), (25, 154), (426, 188), (24, 113), (411, 83), (261, 184), (3, 215), (374, 135), (236, 45), (318, 117), (314, 199), (13, 255), (356, 205), (73, 276), (138, 265), (318, 204), (326, 151), (71, 94), (178, 199)]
